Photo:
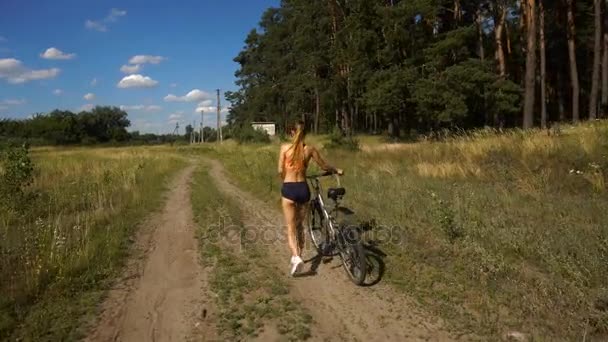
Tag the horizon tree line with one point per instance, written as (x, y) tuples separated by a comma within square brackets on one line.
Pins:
[(424, 65)]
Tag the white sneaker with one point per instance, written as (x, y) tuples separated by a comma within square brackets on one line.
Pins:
[(296, 265)]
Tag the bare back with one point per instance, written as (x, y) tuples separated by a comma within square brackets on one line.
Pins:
[(289, 173)]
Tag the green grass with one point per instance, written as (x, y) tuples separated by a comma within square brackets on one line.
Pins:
[(493, 232), (251, 295), (61, 248)]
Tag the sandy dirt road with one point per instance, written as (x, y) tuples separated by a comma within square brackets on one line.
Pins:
[(340, 310), (161, 295)]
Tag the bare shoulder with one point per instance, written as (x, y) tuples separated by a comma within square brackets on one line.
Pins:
[(310, 149), (284, 147)]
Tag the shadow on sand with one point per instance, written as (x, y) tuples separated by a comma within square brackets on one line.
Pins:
[(375, 264)]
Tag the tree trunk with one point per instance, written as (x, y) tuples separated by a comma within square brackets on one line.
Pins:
[(457, 11), (543, 66), (317, 110), (597, 55), (500, 53), (375, 123), (482, 54), (530, 79), (561, 107), (604, 112), (573, 65)]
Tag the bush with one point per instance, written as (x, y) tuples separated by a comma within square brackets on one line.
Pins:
[(337, 139), (16, 174), (246, 134)]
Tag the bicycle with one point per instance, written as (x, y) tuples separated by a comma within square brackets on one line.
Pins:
[(330, 237)]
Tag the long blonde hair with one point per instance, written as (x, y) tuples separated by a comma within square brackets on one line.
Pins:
[(297, 147)]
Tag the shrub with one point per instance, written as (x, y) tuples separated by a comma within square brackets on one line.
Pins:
[(16, 173), (246, 134), (337, 139)]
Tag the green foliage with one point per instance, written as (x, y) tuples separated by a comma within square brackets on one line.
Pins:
[(246, 134), (446, 219), (412, 65), (100, 125), (338, 139), (16, 174)]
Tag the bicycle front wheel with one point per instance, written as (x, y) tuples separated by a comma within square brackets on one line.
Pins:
[(317, 228), (353, 256)]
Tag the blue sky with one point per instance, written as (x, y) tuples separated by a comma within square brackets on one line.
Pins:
[(69, 55)]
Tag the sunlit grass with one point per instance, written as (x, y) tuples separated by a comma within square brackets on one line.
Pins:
[(58, 249), (494, 232)]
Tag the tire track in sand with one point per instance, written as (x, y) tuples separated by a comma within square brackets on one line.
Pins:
[(161, 295)]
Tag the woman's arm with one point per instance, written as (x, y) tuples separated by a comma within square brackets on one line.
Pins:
[(322, 163)]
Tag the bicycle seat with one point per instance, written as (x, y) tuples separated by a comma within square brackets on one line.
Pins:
[(336, 193)]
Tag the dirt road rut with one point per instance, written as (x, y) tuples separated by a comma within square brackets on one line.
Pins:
[(160, 296)]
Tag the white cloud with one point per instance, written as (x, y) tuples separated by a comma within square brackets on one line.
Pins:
[(3, 108), (194, 95), (101, 25), (130, 69), (13, 102), (57, 92), (146, 126), (95, 25), (137, 81), (54, 53), (93, 82), (136, 107), (15, 72), (143, 59), (89, 97), (205, 109), (115, 13), (86, 107), (151, 108), (176, 117), (208, 107)]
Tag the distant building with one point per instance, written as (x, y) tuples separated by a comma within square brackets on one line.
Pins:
[(269, 127)]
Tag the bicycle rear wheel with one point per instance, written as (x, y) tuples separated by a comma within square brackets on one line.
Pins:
[(317, 229), (353, 256)]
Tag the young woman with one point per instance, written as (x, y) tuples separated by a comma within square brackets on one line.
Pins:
[(293, 162)]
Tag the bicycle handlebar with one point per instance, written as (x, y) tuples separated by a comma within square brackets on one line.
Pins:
[(324, 174)]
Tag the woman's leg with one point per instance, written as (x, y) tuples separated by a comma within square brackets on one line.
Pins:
[(301, 211), (289, 211)]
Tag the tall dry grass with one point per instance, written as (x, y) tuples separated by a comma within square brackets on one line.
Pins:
[(494, 232), (59, 247)]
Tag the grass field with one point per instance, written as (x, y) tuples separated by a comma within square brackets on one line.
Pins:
[(492, 232), (68, 236)]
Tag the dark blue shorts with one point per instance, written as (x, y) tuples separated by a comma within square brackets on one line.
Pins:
[(296, 191)]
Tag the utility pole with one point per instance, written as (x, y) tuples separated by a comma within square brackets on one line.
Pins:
[(202, 128), (219, 122)]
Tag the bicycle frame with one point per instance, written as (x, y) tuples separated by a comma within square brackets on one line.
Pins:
[(351, 252), (316, 185)]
